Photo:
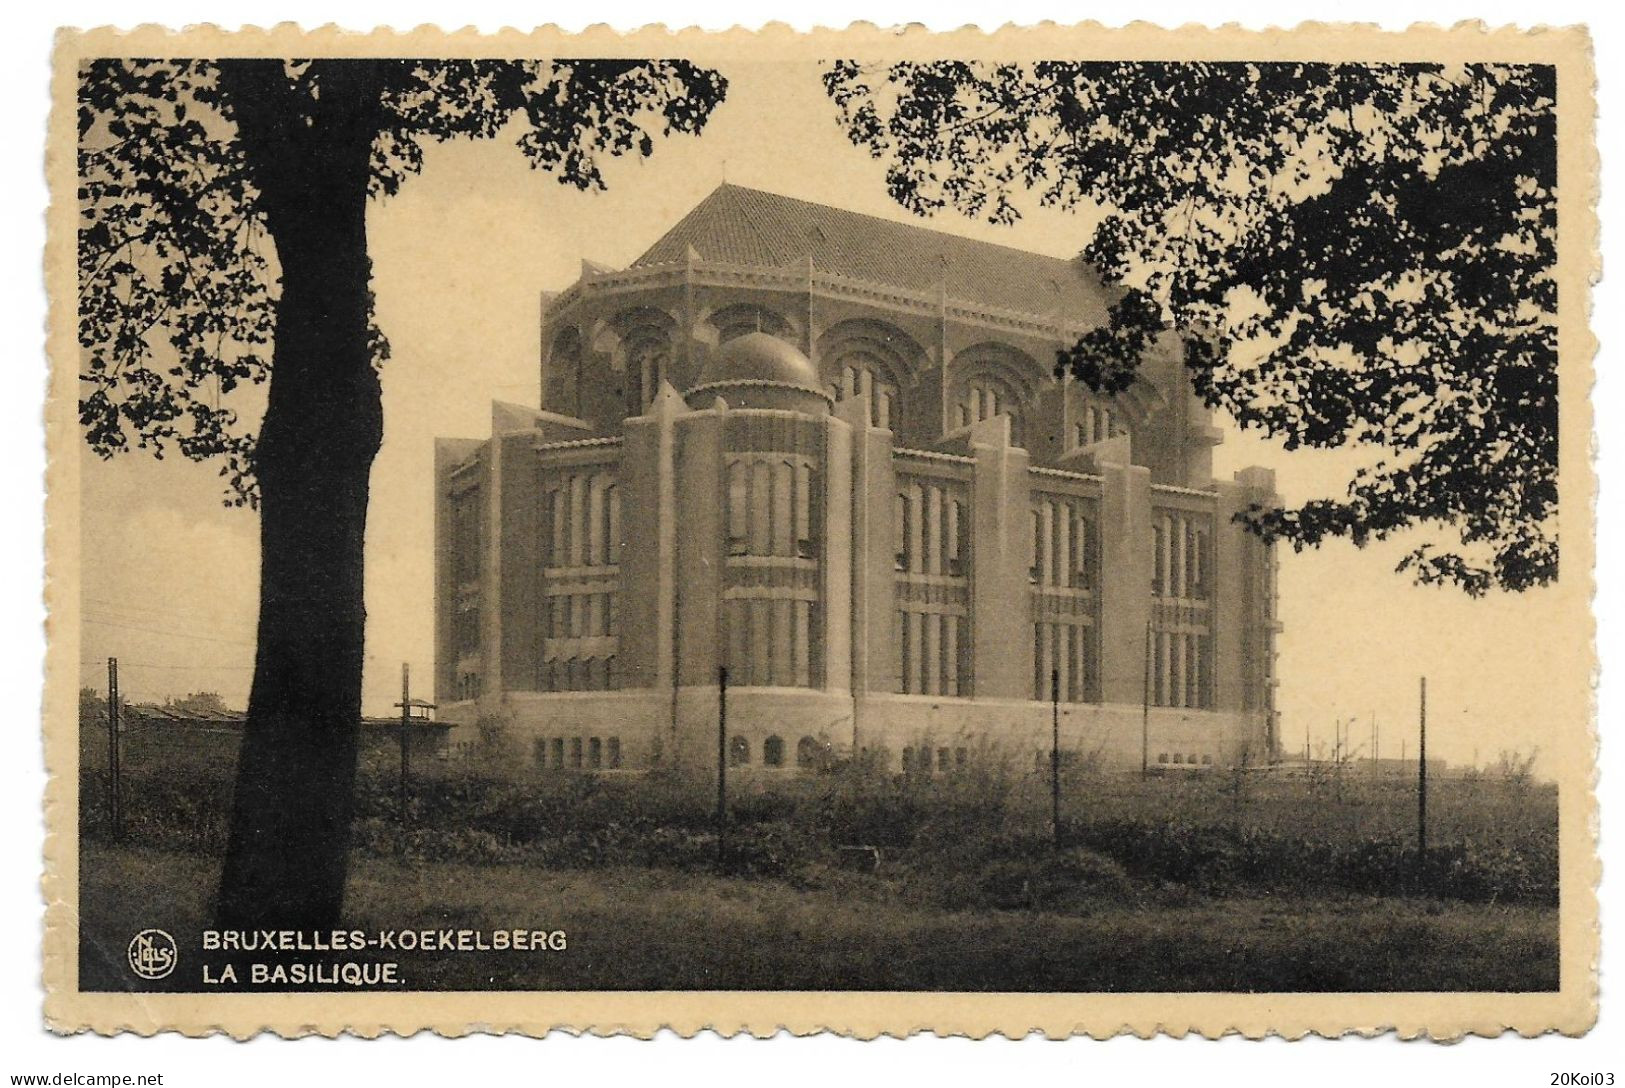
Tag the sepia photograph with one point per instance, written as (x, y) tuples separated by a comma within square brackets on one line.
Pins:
[(1100, 515)]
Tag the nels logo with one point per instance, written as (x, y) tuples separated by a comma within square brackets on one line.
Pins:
[(153, 954)]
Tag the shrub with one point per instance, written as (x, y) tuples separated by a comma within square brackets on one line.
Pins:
[(1018, 872), (978, 836)]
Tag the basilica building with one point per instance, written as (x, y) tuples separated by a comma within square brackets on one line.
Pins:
[(828, 454)]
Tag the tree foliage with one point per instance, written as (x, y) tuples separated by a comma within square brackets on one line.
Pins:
[(187, 169), (176, 256), (1355, 254)]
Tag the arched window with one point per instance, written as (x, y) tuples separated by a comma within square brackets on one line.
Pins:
[(983, 397), (735, 321), (861, 374), (648, 354), (738, 752), (770, 506), (866, 357), (993, 379), (1096, 420), (807, 752), (773, 752)]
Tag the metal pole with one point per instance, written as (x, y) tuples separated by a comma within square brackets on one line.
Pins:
[(115, 814), (1337, 757), (1422, 786), (722, 761), (1055, 754), (406, 723), (1145, 709)]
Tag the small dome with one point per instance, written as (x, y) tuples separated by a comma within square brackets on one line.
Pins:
[(758, 370), (759, 357)]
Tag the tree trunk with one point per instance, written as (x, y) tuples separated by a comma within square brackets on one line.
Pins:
[(287, 854)]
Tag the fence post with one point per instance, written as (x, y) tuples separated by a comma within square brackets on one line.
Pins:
[(1422, 790), (1055, 755), (115, 807), (1145, 708), (406, 725), (722, 763)]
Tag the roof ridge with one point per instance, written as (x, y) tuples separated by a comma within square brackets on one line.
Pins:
[(871, 217), (741, 225)]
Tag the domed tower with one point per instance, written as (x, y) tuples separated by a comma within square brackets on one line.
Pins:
[(759, 370)]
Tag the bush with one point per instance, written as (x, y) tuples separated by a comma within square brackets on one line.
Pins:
[(1220, 858), (1004, 871), (977, 837)]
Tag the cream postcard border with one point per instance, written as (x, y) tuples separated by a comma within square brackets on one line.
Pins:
[(1571, 1010)]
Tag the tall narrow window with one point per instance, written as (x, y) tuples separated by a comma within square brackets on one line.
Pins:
[(739, 508), (900, 532), (806, 543)]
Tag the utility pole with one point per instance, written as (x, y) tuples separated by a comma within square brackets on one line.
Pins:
[(1055, 755), (722, 763), (1337, 757), (115, 806), (406, 729), (1422, 788), (1145, 708)]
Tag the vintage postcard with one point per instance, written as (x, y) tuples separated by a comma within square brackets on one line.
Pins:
[(1066, 530)]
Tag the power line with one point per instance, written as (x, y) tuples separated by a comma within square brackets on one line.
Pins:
[(102, 604), (162, 631), (124, 664)]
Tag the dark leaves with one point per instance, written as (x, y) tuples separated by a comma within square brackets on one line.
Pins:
[(178, 290), (1107, 359), (177, 300), (1357, 254)]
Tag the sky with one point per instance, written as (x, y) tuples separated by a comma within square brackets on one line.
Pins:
[(461, 257)]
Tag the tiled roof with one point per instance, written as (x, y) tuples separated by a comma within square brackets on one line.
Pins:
[(735, 225)]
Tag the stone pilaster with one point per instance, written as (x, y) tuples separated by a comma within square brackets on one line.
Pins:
[(448, 454), (1001, 625), (874, 597), (698, 513), (836, 607), (520, 560), (646, 598), (1125, 580)]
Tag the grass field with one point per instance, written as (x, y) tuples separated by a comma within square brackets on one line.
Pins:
[(1221, 880), (660, 929)]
